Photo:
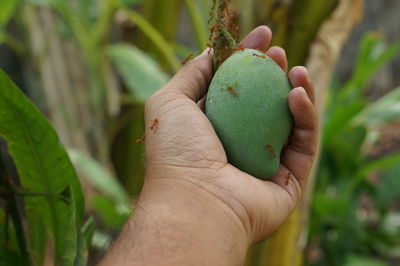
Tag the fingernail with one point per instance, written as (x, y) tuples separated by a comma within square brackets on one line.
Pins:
[(300, 90), (302, 68)]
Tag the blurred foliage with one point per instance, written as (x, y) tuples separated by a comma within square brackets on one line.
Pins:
[(132, 45), (46, 179), (355, 188), (141, 75)]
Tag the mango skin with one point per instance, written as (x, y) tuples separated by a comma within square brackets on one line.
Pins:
[(247, 104)]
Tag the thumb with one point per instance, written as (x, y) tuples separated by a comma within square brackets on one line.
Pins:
[(194, 78)]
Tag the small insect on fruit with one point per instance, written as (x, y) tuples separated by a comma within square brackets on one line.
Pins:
[(187, 58), (142, 139), (288, 178), (231, 91), (271, 150), (261, 56), (239, 48), (154, 124)]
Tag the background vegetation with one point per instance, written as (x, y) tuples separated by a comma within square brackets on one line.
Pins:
[(89, 66)]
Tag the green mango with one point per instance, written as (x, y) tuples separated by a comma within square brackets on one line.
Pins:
[(247, 104)]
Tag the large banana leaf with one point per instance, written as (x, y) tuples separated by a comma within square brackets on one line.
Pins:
[(44, 168)]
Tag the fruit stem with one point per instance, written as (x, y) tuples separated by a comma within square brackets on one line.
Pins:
[(223, 41), (229, 38)]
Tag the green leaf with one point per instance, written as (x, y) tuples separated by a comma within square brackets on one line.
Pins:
[(199, 24), (131, 2), (7, 10), (42, 3), (391, 223), (37, 235), (154, 35), (379, 164), (340, 117), (112, 215), (390, 226), (10, 257), (374, 53), (330, 207), (141, 74), (384, 110), (3, 172), (99, 177), (88, 231), (183, 51), (42, 163), (101, 240), (356, 260), (388, 188), (74, 242), (345, 147), (7, 234)]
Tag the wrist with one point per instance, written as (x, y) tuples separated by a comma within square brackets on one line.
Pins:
[(190, 220)]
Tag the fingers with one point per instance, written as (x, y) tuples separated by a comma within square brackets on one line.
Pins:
[(193, 79), (298, 155), (302, 109), (286, 180), (279, 56), (259, 38), (299, 77), (202, 103)]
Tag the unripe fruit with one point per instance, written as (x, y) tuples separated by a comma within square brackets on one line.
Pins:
[(247, 104)]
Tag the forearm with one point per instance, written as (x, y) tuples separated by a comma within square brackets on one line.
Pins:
[(175, 225)]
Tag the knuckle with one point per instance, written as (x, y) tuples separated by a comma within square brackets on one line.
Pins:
[(304, 141), (198, 73)]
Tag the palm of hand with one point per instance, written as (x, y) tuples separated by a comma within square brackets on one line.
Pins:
[(189, 140)]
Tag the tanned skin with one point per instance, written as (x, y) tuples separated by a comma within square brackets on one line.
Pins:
[(196, 208)]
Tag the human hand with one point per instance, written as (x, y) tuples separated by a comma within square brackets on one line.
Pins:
[(191, 187), (182, 144)]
